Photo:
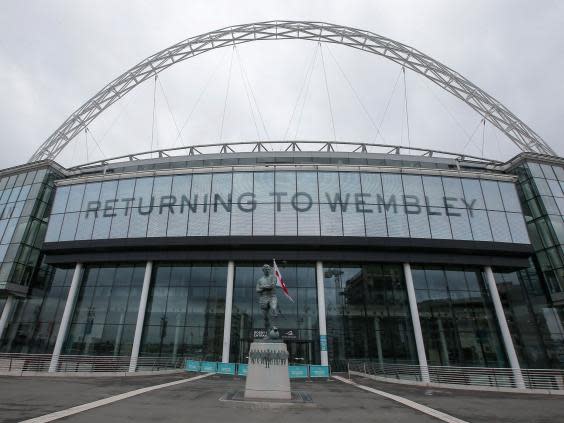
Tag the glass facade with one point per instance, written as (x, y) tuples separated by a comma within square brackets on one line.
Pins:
[(457, 318), (367, 311), (368, 314), (300, 316), (289, 203), (35, 319), (105, 312), (185, 311), (541, 186), (24, 208)]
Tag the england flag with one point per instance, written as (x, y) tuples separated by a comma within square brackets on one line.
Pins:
[(280, 281)]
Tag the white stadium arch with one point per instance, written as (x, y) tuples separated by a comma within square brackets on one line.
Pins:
[(449, 80)]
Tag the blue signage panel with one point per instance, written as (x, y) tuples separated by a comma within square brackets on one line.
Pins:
[(192, 365), (242, 369), (209, 367), (226, 368), (296, 372), (318, 371), (323, 342)]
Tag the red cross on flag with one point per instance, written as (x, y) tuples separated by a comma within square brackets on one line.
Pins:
[(280, 281)]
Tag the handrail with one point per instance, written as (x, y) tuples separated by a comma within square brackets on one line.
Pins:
[(545, 379)]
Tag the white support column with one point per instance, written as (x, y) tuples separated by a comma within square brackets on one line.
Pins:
[(321, 313), (507, 341), (228, 310), (10, 300), (67, 316), (416, 323), (140, 317)]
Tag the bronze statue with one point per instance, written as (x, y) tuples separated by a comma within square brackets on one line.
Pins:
[(266, 288)]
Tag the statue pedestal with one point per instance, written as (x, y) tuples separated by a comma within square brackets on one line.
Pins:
[(267, 374)]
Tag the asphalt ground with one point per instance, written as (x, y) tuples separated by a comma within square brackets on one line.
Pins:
[(479, 406), (333, 401)]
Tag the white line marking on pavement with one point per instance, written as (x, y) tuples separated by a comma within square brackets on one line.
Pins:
[(89, 406), (412, 404)]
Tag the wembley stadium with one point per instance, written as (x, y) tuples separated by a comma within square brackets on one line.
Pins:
[(394, 255)]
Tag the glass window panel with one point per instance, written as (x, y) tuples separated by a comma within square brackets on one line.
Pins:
[(68, 230), (177, 222), (492, 195), (509, 197), (397, 220), (440, 225), (201, 186), (157, 221), (375, 221), (30, 177), (220, 219), (434, 190), (198, 220), (5, 196), (371, 187), (221, 185), (120, 224), (413, 185), (308, 221), (263, 219), (125, 190), (20, 179), (331, 219), (285, 183), (559, 172), (25, 191), (108, 193), (143, 189), (499, 226), (18, 207), (161, 187), (419, 224), (264, 186), (329, 191), (460, 224), (9, 231), (453, 187), (286, 218), (61, 198), (75, 198), (4, 223), (54, 228), (242, 185), (14, 194), (548, 172), (560, 205), (241, 217), (137, 224), (91, 193), (518, 228), (555, 188), (480, 225), (535, 170), (350, 183), (102, 226), (353, 221), (542, 186), (473, 193), (11, 181), (307, 182), (393, 188), (181, 185)]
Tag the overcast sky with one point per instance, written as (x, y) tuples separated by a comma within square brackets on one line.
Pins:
[(54, 55)]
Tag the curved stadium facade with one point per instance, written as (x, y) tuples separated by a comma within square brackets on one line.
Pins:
[(392, 258), (392, 255)]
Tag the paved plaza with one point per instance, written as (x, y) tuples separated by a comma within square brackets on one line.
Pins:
[(198, 401)]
